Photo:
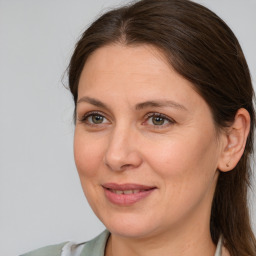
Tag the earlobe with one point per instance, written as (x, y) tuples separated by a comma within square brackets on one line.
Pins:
[(235, 141)]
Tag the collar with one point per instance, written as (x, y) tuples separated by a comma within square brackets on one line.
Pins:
[(96, 247)]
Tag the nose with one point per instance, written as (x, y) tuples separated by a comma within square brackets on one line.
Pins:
[(122, 152)]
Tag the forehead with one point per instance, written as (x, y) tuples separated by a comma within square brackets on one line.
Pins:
[(141, 63), (130, 56), (137, 73)]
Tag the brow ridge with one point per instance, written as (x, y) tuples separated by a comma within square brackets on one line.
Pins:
[(139, 106), (160, 104)]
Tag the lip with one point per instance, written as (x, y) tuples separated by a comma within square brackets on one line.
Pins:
[(136, 192)]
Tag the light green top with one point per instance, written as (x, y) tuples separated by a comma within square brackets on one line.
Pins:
[(95, 247)]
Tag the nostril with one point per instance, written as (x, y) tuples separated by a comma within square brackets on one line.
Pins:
[(126, 166)]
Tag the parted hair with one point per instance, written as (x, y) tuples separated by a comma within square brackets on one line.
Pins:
[(202, 48)]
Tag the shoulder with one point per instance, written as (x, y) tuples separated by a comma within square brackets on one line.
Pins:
[(95, 246), (53, 250)]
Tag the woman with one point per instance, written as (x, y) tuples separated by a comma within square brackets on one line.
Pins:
[(164, 124)]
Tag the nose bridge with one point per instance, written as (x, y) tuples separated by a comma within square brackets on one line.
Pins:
[(122, 152), (119, 137)]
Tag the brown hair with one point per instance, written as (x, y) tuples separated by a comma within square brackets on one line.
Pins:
[(203, 49)]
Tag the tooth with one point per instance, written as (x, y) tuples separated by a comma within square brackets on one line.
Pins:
[(127, 192), (136, 191), (119, 192)]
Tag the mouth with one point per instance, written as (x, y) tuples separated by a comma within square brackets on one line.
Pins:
[(126, 194)]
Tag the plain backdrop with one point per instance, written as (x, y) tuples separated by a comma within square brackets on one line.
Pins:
[(41, 201)]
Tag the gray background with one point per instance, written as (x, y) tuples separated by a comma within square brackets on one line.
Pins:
[(41, 201)]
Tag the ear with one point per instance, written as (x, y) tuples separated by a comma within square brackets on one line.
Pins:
[(234, 141)]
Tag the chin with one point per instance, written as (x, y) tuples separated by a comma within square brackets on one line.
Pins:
[(130, 226)]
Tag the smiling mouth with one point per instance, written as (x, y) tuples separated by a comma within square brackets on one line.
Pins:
[(126, 194)]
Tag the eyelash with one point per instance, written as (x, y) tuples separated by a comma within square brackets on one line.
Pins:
[(170, 121)]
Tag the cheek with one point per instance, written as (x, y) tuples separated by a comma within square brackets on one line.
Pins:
[(184, 161), (88, 158), (187, 172), (88, 154)]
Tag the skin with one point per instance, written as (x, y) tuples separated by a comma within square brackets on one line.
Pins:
[(180, 157)]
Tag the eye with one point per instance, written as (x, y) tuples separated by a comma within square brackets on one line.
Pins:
[(157, 119), (94, 118)]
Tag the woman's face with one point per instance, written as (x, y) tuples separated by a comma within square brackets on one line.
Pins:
[(145, 144)]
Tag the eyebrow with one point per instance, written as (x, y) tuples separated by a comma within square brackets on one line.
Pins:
[(160, 104), (139, 106), (93, 101)]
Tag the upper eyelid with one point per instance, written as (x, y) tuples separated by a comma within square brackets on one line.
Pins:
[(151, 114), (87, 114)]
